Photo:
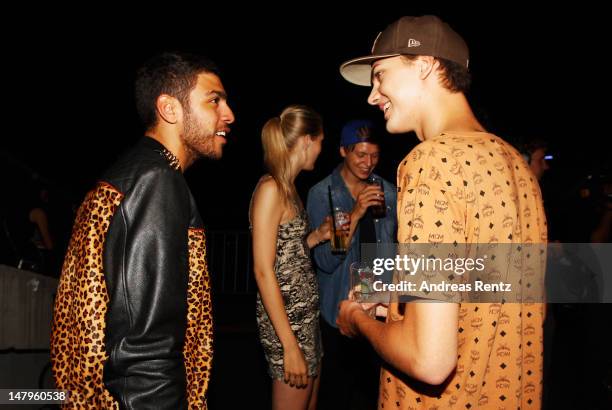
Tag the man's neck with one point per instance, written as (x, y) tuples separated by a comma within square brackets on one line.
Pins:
[(449, 112)]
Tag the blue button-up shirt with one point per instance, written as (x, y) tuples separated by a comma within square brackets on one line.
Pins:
[(333, 270)]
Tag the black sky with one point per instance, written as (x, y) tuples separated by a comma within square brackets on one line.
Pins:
[(70, 76)]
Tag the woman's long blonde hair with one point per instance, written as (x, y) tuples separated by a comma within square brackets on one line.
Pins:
[(279, 136)]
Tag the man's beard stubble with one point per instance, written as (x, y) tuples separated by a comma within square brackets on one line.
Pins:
[(196, 144)]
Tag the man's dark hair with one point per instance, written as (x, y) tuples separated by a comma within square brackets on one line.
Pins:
[(454, 77), (532, 145), (174, 74)]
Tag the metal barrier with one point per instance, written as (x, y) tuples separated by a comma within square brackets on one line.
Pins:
[(230, 261)]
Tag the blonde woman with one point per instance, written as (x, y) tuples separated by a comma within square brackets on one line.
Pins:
[(288, 299)]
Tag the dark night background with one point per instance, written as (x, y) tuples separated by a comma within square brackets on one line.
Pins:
[(69, 72), (72, 112)]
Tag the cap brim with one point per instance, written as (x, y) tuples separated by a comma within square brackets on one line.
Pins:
[(359, 70)]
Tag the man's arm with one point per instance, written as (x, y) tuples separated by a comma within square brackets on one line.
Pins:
[(423, 345), (147, 271)]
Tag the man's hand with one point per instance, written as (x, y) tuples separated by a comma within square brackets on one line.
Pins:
[(346, 317), (370, 195)]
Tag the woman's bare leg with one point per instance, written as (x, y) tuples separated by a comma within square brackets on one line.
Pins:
[(312, 402), (285, 397)]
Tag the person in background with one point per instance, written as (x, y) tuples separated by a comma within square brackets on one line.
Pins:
[(348, 383)]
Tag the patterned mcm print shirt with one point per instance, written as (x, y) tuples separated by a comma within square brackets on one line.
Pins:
[(474, 188)]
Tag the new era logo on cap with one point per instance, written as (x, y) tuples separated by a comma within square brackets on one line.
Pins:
[(413, 43)]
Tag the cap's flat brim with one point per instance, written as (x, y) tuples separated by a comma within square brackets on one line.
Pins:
[(359, 70)]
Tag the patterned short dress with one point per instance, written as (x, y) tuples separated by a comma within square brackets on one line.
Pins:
[(300, 292)]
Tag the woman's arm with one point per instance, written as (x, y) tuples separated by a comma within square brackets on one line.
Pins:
[(321, 234), (266, 214)]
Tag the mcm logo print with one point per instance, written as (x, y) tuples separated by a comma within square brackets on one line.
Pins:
[(507, 222), (529, 271), (476, 232), (477, 178), (471, 388), (494, 308), (529, 358), (481, 159), (470, 198), (417, 154), (457, 226), (475, 355), (441, 205), (503, 351), (458, 194), (529, 388), (497, 190), (483, 400), (522, 182), (502, 383), (423, 189), (519, 329), (436, 238), (488, 211), (455, 168), (457, 152), (529, 330), (409, 208), (476, 323), (499, 166), (417, 222), (504, 318), (434, 174), (408, 179), (527, 212)]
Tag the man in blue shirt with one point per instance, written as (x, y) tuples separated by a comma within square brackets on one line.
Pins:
[(349, 383)]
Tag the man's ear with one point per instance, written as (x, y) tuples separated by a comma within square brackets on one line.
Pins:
[(426, 65), (168, 108), (342, 152)]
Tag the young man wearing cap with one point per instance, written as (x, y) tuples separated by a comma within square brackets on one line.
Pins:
[(348, 383), (463, 186)]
